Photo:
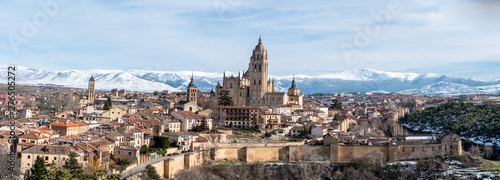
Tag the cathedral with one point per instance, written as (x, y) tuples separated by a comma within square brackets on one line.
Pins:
[(254, 88)]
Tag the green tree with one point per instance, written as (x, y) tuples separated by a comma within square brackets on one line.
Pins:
[(254, 120), (336, 105), (63, 174), (73, 166), (144, 149), (151, 172), (304, 131), (337, 117), (108, 104), (161, 142), (225, 99), (203, 127), (39, 171), (114, 177)]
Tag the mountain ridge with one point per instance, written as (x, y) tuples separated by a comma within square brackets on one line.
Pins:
[(356, 80)]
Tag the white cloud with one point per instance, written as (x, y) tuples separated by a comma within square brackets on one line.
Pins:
[(220, 35)]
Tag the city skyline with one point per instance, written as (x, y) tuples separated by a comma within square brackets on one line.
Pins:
[(447, 37)]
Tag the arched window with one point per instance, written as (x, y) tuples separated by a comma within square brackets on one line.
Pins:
[(259, 81), (190, 108), (259, 68), (230, 85), (257, 56), (255, 69)]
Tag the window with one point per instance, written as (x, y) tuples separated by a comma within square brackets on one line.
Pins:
[(432, 148), (259, 81), (29, 156), (118, 152), (55, 158), (413, 149), (130, 153), (47, 158), (259, 68), (403, 149), (230, 85), (423, 148), (439, 147), (254, 82), (241, 94), (445, 147)]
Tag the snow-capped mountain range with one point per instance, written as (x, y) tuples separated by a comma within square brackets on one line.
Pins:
[(358, 80)]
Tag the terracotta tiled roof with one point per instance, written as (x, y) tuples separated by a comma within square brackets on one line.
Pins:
[(239, 107), (72, 124), (46, 130), (71, 138), (32, 135), (189, 115), (184, 133)]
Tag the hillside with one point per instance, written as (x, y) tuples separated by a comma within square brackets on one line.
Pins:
[(480, 124)]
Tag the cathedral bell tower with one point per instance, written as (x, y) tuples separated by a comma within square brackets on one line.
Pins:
[(258, 73), (91, 90)]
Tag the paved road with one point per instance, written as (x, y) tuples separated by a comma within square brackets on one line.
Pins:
[(142, 166)]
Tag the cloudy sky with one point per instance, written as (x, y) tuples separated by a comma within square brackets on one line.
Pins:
[(455, 37)]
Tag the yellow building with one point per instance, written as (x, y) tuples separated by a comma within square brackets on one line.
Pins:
[(114, 113), (65, 129)]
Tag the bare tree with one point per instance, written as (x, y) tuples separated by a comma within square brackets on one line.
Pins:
[(219, 116), (488, 150), (474, 150)]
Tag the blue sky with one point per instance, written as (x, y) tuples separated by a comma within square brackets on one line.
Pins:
[(455, 37)]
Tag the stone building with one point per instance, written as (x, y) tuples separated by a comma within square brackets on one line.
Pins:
[(254, 87), (239, 116), (49, 153)]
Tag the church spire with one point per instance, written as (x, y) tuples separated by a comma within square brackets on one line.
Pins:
[(192, 84), (293, 87), (260, 40), (92, 77)]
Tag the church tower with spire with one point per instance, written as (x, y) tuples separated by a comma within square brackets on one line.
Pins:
[(91, 90), (192, 91), (294, 96)]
